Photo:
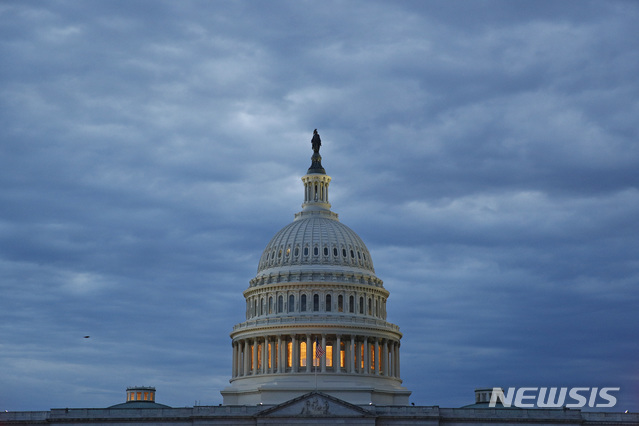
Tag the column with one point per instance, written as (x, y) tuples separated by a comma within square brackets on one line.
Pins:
[(377, 357), (279, 354), (398, 366), (351, 358), (234, 366), (367, 355), (246, 357), (264, 355), (254, 357), (309, 353), (294, 356), (337, 354), (323, 359), (385, 356)]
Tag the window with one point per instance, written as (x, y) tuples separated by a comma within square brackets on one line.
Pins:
[(262, 307), (351, 304), (280, 304), (303, 354), (315, 251), (325, 251), (270, 305), (329, 354), (291, 303), (297, 251), (352, 254), (340, 303), (305, 251), (316, 302), (303, 303), (328, 303), (255, 308), (335, 253), (370, 306), (288, 251), (361, 305), (289, 354), (344, 252)]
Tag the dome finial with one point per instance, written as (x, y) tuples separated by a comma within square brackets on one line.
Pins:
[(316, 159)]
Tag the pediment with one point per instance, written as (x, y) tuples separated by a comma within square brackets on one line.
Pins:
[(315, 404)]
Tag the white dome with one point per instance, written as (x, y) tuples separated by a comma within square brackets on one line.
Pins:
[(316, 241)]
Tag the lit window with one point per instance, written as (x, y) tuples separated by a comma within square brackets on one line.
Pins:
[(342, 355), (288, 251), (329, 355), (139, 396), (303, 354), (289, 354)]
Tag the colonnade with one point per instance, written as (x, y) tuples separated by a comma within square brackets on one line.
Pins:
[(296, 353)]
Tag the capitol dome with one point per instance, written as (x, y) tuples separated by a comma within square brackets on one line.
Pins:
[(316, 314), (315, 242)]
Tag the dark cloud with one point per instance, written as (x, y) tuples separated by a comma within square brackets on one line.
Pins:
[(485, 152)]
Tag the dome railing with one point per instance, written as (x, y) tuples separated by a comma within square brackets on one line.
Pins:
[(344, 320)]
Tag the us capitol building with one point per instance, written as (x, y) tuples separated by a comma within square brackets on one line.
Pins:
[(316, 347)]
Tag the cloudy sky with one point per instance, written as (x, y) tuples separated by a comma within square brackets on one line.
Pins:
[(486, 151)]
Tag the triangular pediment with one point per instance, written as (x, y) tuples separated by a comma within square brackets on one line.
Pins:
[(315, 404)]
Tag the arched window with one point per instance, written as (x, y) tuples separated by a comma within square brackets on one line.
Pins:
[(270, 305), (303, 303), (291, 303), (328, 303), (315, 251), (280, 304), (255, 307), (335, 253), (340, 303), (316, 302), (370, 306), (262, 306), (325, 251), (361, 305), (351, 304)]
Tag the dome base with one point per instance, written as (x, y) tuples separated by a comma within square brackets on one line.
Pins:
[(355, 389)]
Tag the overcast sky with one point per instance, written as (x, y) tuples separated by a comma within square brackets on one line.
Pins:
[(485, 151)]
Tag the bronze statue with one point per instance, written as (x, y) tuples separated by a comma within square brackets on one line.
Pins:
[(316, 141)]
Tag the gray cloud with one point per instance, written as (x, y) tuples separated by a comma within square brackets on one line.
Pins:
[(485, 152)]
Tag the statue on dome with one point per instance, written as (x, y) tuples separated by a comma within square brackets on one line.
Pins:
[(316, 141)]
